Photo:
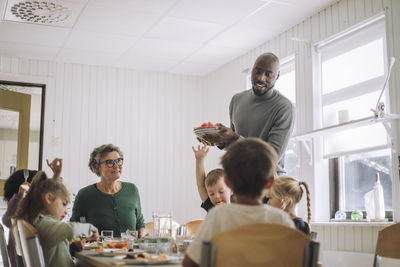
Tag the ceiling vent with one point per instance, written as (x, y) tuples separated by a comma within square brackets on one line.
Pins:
[(50, 12)]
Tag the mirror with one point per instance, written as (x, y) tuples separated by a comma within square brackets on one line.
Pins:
[(21, 126)]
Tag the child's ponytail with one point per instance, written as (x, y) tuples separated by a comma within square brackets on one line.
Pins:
[(308, 200)]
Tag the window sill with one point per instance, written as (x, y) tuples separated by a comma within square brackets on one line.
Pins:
[(352, 223)]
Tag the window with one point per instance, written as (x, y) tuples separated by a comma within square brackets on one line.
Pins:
[(286, 85), (356, 177), (352, 71)]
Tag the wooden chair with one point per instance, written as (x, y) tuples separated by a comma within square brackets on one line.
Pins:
[(257, 245), (149, 228), (31, 248), (3, 247), (192, 227), (17, 243), (388, 244)]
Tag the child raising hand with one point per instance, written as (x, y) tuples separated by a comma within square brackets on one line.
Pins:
[(212, 188), (44, 206)]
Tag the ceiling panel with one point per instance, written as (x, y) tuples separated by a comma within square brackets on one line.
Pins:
[(32, 33), (115, 19), (224, 12), (28, 51), (248, 37), (158, 7), (88, 40), (214, 55), (163, 49), (89, 57), (140, 62), (184, 30), (180, 36), (193, 68)]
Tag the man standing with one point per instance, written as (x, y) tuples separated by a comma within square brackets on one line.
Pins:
[(259, 112)]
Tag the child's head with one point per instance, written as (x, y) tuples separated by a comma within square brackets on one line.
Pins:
[(217, 190), (46, 196), (286, 192), (250, 165), (13, 182)]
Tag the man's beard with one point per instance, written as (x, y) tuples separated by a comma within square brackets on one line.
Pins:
[(267, 87)]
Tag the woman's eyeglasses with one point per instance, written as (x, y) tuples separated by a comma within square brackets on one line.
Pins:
[(111, 162)]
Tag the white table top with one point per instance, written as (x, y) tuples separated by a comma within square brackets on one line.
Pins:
[(88, 258)]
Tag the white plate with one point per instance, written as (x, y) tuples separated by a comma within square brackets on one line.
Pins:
[(111, 252), (171, 259), (91, 246)]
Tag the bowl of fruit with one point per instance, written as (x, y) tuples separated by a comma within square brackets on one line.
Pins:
[(206, 128)]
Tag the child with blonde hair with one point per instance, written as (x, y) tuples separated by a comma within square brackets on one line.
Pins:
[(286, 193), (44, 206), (250, 164), (212, 188)]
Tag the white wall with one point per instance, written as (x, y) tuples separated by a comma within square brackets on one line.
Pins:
[(149, 115)]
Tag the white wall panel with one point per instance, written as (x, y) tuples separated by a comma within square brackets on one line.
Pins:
[(149, 115)]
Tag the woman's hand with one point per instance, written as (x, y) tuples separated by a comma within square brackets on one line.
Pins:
[(23, 189), (201, 152), (55, 166)]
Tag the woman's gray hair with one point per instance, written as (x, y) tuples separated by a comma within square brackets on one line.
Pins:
[(98, 153)]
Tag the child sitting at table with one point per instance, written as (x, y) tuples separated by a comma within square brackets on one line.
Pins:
[(250, 166), (212, 188), (284, 194), (44, 206)]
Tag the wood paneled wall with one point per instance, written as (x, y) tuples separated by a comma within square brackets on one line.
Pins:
[(149, 115)]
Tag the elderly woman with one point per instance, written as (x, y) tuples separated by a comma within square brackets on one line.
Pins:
[(109, 204)]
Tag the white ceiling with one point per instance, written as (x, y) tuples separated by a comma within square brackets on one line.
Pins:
[(177, 36)]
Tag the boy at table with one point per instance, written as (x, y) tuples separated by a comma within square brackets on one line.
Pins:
[(250, 166), (212, 188)]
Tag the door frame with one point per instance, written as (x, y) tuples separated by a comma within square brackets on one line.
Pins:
[(24, 164)]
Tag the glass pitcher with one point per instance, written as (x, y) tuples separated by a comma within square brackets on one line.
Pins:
[(162, 224)]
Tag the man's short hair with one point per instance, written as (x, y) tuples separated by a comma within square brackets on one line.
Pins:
[(249, 164), (214, 176)]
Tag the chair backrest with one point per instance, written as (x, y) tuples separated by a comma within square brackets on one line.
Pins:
[(260, 245), (17, 239), (149, 228), (3, 247), (31, 248), (192, 227), (388, 243), (17, 243)]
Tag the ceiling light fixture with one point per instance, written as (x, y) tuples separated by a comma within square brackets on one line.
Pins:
[(40, 12)]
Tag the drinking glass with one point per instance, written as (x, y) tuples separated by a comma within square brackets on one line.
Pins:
[(108, 235), (162, 224)]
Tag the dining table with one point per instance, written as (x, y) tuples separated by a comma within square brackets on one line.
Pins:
[(90, 258)]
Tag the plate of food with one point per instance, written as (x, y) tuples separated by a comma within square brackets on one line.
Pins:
[(206, 128), (111, 252), (147, 259), (92, 245)]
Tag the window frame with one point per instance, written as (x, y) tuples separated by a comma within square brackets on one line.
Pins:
[(333, 169)]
